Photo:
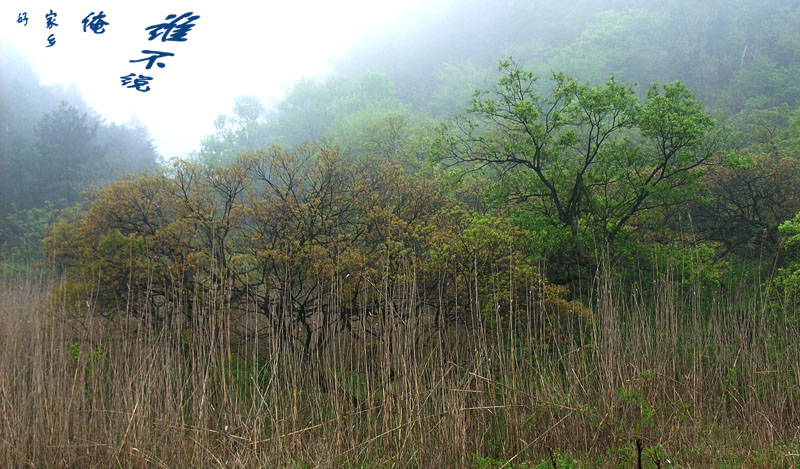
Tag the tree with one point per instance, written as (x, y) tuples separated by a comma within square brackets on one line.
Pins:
[(399, 139), (68, 158), (336, 110), (53, 147), (245, 130), (754, 188), (126, 148), (588, 158), (748, 197)]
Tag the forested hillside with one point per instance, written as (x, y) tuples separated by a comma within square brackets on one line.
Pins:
[(52, 148), (498, 234)]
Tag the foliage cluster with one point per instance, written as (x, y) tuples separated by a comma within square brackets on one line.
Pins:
[(301, 237), (53, 147), (578, 267), (585, 160)]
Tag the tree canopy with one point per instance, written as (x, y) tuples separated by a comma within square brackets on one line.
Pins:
[(589, 158)]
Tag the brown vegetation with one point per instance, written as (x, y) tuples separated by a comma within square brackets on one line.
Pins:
[(400, 390)]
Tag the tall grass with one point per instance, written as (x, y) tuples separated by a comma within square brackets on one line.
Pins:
[(703, 381)]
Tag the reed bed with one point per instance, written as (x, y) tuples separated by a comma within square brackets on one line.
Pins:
[(702, 381)]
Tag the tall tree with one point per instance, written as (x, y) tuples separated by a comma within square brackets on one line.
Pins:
[(67, 157), (587, 157), (246, 130)]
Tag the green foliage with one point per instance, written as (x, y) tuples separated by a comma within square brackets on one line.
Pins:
[(93, 360), (787, 282), (765, 84), (399, 139), (457, 82), (66, 154), (746, 197), (587, 158), (122, 241), (645, 410), (337, 110), (23, 230), (358, 228), (561, 462), (246, 375), (791, 231), (363, 116), (246, 130), (53, 147), (622, 42), (774, 131)]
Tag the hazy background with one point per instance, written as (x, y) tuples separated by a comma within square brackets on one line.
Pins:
[(235, 48), (430, 55), (295, 236)]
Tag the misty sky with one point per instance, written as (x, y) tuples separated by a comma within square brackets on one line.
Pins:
[(235, 48)]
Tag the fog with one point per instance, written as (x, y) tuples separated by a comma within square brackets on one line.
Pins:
[(235, 48), (360, 233), (435, 53), (345, 73)]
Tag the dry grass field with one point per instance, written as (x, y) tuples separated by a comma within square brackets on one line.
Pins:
[(716, 388)]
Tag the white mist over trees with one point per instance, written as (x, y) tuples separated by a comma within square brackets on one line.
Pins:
[(499, 234), (53, 147)]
